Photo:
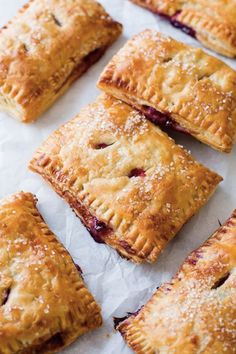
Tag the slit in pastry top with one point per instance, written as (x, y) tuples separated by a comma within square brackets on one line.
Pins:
[(177, 85), (130, 184)]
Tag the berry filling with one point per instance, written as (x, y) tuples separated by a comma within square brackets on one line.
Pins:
[(98, 229), (101, 146), (137, 172), (163, 120), (178, 24), (118, 320), (79, 269), (5, 296)]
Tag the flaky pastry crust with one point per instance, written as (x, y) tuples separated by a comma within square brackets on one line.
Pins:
[(48, 45), (194, 89), (130, 184), (196, 312), (211, 22), (44, 305)]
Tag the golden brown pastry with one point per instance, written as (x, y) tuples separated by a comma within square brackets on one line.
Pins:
[(130, 184), (176, 86), (196, 312), (211, 22), (44, 303), (48, 45)]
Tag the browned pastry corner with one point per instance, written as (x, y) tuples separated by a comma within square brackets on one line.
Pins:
[(44, 303), (130, 184), (47, 46), (176, 86), (196, 311), (211, 22)]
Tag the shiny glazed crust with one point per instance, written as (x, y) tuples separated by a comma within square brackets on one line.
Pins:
[(48, 45), (196, 312), (44, 303), (213, 21), (141, 213), (195, 89)]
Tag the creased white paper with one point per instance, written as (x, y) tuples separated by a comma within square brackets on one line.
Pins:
[(117, 285)]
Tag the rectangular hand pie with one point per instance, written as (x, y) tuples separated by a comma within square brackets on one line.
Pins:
[(176, 86), (196, 311), (48, 45), (44, 305), (211, 22), (130, 184)]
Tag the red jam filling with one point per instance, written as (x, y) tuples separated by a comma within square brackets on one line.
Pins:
[(79, 269), (137, 172), (118, 320), (178, 24), (101, 146), (163, 120), (6, 294), (98, 229)]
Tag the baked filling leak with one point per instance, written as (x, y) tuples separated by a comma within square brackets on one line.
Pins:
[(98, 230), (162, 119), (178, 24)]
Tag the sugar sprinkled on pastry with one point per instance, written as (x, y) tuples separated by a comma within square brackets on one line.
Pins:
[(175, 86), (47, 46), (45, 305), (196, 311), (211, 22), (130, 184)]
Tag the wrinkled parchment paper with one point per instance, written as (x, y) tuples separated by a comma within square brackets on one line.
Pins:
[(118, 285)]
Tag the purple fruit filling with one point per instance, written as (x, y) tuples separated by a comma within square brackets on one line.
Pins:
[(118, 320), (79, 269), (137, 172), (98, 229), (101, 146), (178, 24), (163, 120)]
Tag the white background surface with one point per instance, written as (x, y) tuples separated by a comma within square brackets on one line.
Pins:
[(117, 285)]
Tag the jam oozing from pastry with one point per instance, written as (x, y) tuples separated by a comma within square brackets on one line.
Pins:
[(178, 24), (98, 229), (101, 146), (79, 269), (163, 120), (118, 320), (137, 172), (127, 247), (83, 66), (221, 281), (5, 296)]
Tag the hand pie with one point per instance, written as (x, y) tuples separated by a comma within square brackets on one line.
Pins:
[(196, 311), (211, 22), (130, 184), (176, 86), (44, 303), (47, 46)]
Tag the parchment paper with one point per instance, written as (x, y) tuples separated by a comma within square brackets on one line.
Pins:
[(118, 285)]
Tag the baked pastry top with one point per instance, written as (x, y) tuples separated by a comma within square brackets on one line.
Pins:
[(196, 311), (44, 303), (177, 86), (48, 45), (130, 184), (211, 22)]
